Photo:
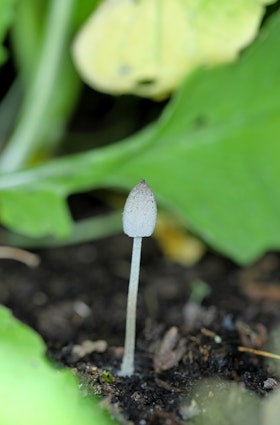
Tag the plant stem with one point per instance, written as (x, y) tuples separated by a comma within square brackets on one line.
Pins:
[(9, 107), (83, 231), (38, 101), (127, 367)]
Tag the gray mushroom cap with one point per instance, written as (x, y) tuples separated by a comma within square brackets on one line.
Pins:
[(140, 211)]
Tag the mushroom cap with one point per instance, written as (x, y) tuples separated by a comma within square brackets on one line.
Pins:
[(140, 211)]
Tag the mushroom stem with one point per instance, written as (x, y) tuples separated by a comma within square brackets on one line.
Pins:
[(139, 220), (127, 367)]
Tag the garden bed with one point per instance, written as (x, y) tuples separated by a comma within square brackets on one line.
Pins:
[(78, 294)]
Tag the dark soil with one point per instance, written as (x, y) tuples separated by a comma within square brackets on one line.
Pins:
[(78, 294)]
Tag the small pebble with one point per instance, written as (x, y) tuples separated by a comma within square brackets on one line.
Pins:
[(270, 384)]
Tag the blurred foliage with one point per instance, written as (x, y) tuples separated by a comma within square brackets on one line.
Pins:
[(33, 391), (211, 157), (217, 402), (6, 18)]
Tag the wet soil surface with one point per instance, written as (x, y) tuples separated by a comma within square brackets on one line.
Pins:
[(76, 299)]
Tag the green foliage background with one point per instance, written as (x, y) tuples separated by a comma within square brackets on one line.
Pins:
[(212, 156)]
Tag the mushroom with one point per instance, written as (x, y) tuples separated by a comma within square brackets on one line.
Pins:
[(139, 220)]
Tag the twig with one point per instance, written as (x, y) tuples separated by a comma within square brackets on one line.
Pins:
[(258, 352), (25, 257)]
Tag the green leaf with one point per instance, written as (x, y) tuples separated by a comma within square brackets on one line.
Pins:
[(30, 208), (6, 18), (33, 392), (213, 156), (29, 344)]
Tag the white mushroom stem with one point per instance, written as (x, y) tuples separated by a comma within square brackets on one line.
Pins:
[(127, 367)]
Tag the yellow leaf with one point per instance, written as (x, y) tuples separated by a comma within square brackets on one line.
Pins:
[(146, 47)]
